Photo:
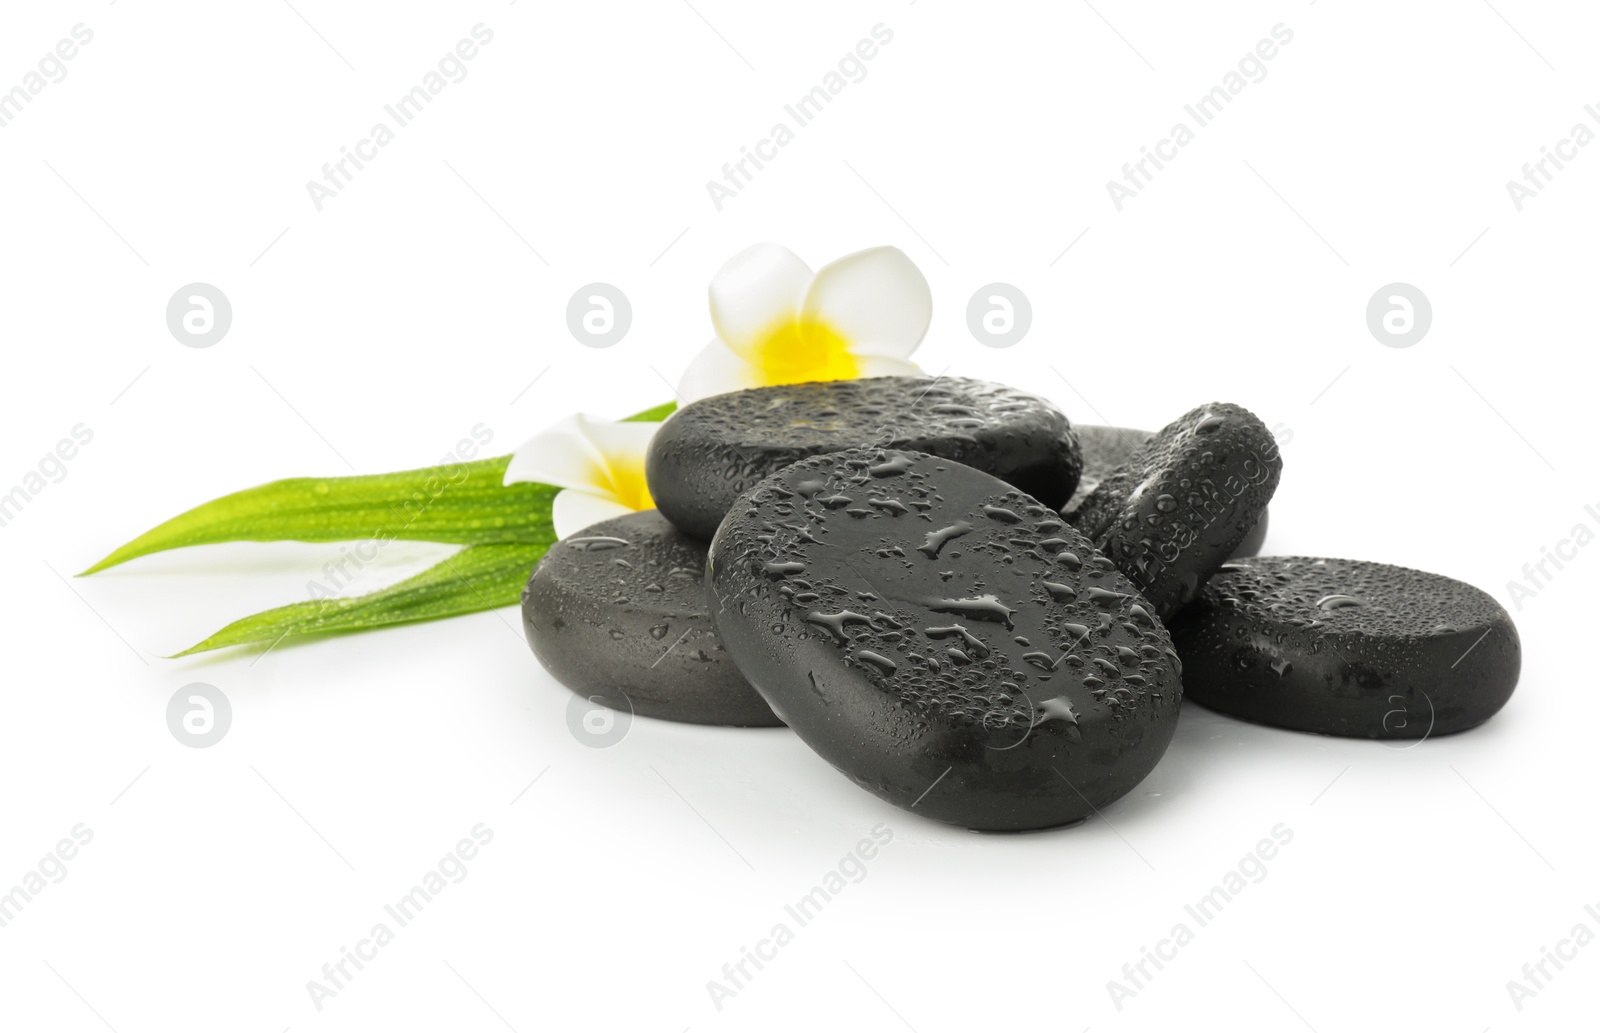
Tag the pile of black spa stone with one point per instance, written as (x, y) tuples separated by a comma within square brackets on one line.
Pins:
[(983, 614)]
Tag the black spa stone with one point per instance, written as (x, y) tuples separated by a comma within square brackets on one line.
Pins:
[(1345, 647), (617, 613), (1185, 502), (1104, 449), (1251, 546), (943, 639), (709, 452)]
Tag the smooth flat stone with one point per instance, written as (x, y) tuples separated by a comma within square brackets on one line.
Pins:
[(709, 452), (1345, 647), (618, 612), (1185, 502), (943, 639)]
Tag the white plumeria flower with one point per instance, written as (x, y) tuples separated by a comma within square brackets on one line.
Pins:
[(599, 463), (861, 316)]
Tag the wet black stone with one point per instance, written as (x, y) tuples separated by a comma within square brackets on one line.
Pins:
[(1345, 647), (945, 640), (1104, 449), (1251, 546), (618, 611), (712, 450), (1185, 502)]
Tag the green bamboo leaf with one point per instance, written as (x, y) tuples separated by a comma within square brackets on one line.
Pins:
[(479, 577), (461, 504), (653, 415), (464, 504)]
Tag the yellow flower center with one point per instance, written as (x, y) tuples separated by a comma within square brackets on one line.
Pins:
[(804, 349), (628, 484)]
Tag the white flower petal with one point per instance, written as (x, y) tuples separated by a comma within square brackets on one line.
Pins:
[(616, 440), (878, 299), (560, 455), (883, 366), (715, 371), (757, 289), (571, 511), (622, 448)]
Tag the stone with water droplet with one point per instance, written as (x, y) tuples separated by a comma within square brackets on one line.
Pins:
[(1107, 448), (1104, 449), (713, 449), (965, 690), (596, 629), (1251, 546), (1184, 502), (1346, 647)]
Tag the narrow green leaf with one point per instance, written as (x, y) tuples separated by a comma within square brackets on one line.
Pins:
[(462, 504), (653, 415), (479, 577)]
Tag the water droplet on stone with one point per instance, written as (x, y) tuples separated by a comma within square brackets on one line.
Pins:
[(878, 659), (596, 543), (937, 540)]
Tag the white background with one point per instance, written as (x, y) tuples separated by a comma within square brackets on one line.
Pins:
[(430, 293)]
